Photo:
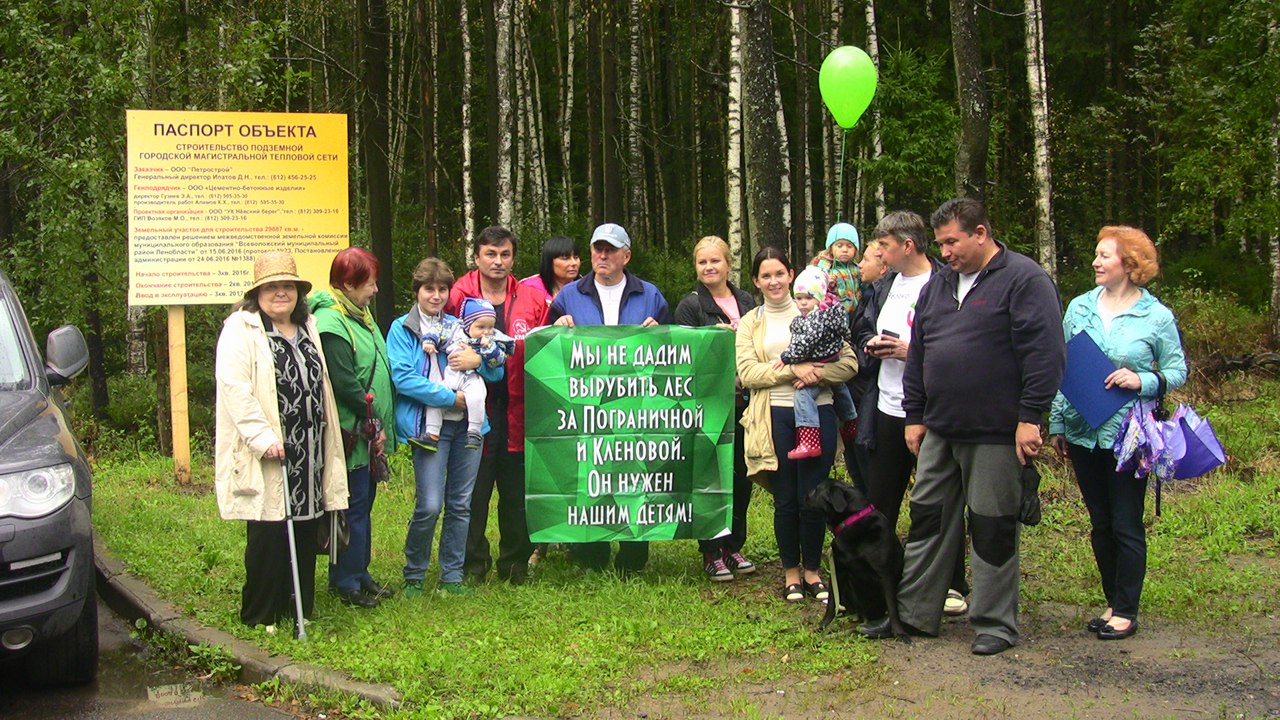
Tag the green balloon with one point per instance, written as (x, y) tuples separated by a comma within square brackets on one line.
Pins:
[(847, 81)]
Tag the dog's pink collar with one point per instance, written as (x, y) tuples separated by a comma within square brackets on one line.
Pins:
[(853, 519)]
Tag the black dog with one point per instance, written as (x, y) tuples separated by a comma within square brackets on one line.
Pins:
[(866, 555)]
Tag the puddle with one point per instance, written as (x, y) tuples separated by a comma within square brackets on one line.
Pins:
[(128, 687), (180, 695)]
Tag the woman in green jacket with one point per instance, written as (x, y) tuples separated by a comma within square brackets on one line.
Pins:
[(357, 356)]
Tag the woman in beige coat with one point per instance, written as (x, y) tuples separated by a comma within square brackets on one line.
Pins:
[(769, 422), (278, 447)]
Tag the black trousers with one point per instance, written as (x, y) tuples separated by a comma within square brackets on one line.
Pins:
[(267, 597), (502, 470), (891, 467), (1115, 501), (633, 555), (737, 537), (799, 530)]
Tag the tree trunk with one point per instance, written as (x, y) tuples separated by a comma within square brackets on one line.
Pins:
[(505, 116), (763, 142), (468, 198), (566, 111), (399, 97), (136, 359), (595, 113), (1038, 86), (1273, 38), (423, 18), (785, 170), (802, 204), (533, 107), (612, 151), (375, 29), (733, 163), (92, 294), (971, 94), (160, 351), (637, 218), (832, 136), (877, 147)]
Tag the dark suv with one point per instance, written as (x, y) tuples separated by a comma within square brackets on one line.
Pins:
[(48, 611)]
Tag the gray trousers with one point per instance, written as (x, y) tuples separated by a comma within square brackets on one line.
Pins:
[(949, 476)]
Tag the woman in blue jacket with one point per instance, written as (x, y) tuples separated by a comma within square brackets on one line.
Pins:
[(444, 477), (1140, 336)]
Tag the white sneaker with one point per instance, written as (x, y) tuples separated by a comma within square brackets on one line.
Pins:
[(955, 604)]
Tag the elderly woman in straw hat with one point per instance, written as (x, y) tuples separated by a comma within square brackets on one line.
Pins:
[(278, 452)]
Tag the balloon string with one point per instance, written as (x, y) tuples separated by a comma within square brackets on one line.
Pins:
[(840, 181)]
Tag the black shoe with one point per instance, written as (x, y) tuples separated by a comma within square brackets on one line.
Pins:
[(990, 645), (379, 592), (1110, 633), (356, 599), (881, 629), (1095, 625)]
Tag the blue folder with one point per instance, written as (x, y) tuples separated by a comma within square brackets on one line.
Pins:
[(1084, 382)]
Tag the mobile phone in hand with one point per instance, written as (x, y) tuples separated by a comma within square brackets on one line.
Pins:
[(889, 334)]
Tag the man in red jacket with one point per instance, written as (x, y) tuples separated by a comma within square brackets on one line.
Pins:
[(520, 309)]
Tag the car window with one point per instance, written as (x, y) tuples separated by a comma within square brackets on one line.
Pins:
[(13, 367)]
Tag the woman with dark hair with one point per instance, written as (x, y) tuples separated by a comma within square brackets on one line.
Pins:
[(770, 426), (1140, 336), (278, 451), (358, 367), (445, 474), (557, 267), (717, 302)]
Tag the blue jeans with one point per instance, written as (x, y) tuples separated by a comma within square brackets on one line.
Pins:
[(352, 571), (806, 404), (444, 479)]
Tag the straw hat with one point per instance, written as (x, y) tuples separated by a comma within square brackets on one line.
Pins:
[(277, 266)]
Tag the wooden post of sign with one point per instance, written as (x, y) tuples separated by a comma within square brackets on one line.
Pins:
[(178, 394)]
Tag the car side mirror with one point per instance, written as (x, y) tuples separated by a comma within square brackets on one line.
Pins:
[(66, 354)]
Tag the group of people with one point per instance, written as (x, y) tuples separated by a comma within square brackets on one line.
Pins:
[(938, 366)]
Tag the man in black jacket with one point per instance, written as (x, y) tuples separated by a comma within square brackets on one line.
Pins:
[(985, 360)]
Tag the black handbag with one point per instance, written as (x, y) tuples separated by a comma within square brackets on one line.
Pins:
[(334, 525), (1029, 509)]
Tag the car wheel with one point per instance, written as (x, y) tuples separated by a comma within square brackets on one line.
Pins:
[(72, 658)]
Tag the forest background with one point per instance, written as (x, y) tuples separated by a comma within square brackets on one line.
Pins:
[(676, 118)]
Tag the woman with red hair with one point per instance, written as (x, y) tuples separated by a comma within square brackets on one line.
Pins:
[(1141, 337), (358, 366)]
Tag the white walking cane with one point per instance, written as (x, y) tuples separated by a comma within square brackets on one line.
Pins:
[(293, 565)]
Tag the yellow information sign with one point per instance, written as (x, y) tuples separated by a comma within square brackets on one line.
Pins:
[(210, 191)]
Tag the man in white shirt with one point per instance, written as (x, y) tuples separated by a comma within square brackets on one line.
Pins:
[(610, 295), (885, 332)]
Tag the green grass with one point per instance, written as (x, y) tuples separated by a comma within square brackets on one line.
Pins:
[(571, 643)]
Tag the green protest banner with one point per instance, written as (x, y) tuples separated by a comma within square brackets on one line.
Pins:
[(628, 433)]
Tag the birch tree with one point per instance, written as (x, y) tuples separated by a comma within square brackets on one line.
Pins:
[(566, 107), (733, 155), (505, 116), (423, 19), (877, 146), (468, 198), (1046, 244), (636, 193)]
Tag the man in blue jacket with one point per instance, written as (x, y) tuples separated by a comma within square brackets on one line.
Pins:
[(985, 360), (610, 295)]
